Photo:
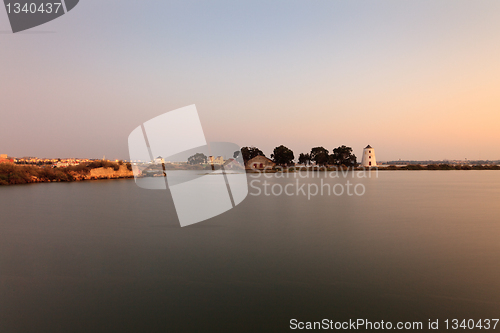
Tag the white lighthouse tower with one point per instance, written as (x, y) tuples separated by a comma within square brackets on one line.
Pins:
[(368, 159)]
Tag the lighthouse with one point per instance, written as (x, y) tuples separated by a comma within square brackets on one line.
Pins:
[(368, 159)]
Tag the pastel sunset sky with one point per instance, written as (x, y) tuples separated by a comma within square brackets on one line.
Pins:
[(416, 79)]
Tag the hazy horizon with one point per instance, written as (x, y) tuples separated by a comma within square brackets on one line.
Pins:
[(417, 80), (359, 157)]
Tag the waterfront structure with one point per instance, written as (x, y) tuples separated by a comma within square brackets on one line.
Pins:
[(4, 158), (260, 162), (159, 160), (65, 164), (368, 159), (215, 160)]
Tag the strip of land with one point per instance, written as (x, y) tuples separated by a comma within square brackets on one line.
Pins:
[(12, 174)]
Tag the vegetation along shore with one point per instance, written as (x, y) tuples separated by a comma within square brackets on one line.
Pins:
[(13, 171), (11, 174)]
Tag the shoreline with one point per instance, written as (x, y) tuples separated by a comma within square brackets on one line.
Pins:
[(410, 167), (11, 174), (68, 181), (67, 175)]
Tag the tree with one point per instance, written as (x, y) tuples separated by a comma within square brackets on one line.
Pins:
[(319, 155), (343, 156), (282, 156), (198, 158), (304, 158), (251, 152)]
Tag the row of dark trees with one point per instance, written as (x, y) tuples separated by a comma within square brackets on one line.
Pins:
[(319, 156), (284, 156)]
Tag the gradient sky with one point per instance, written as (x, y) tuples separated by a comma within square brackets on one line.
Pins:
[(416, 79)]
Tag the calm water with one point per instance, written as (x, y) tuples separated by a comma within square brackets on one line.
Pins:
[(107, 256)]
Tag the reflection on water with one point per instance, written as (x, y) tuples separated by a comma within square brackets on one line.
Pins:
[(107, 256)]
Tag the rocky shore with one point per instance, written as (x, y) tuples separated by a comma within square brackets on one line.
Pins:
[(11, 174)]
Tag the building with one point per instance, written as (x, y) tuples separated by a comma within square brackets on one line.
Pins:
[(216, 160), (65, 164), (5, 159), (259, 163), (234, 165), (159, 160), (368, 159)]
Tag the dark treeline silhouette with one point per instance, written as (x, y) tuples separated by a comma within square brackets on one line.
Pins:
[(198, 158), (251, 152), (283, 156)]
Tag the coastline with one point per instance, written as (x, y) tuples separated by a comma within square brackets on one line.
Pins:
[(17, 175), (409, 167), (31, 175)]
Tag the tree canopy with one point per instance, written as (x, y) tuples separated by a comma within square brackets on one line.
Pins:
[(282, 156), (198, 158), (304, 159), (343, 156), (251, 152), (319, 155)]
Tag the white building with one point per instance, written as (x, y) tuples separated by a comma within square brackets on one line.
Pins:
[(368, 159), (217, 161), (159, 160)]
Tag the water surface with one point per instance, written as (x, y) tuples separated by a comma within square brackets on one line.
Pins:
[(107, 256)]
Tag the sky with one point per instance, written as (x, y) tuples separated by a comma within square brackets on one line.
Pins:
[(415, 79)]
